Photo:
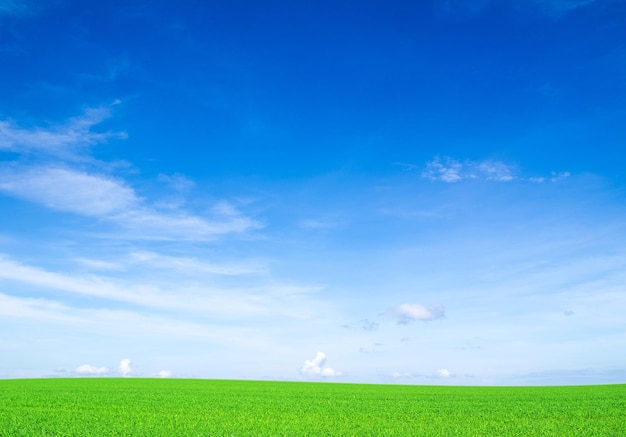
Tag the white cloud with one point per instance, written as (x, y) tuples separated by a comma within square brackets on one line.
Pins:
[(409, 312), (87, 369), (96, 264), (555, 177), (450, 170), (69, 190), (124, 367), (146, 223), (184, 297), (63, 140), (43, 312), (110, 199), (443, 373), (57, 184), (193, 265), (315, 367), (494, 171), (164, 374), (446, 169)]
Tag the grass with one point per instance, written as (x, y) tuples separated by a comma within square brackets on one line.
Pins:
[(185, 407)]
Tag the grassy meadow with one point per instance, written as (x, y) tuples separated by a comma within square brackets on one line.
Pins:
[(189, 407)]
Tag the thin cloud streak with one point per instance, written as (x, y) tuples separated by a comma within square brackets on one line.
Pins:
[(55, 181), (110, 199), (69, 190), (120, 323), (447, 169), (67, 141), (188, 298), (193, 265)]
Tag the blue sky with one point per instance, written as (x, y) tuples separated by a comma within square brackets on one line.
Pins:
[(392, 192)]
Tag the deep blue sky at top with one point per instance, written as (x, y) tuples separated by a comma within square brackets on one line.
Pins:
[(288, 89)]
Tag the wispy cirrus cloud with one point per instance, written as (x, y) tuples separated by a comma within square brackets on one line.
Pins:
[(120, 323), (65, 178), (195, 266), (205, 300), (555, 177), (111, 199), (450, 170), (65, 189), (446, 169), (184, 296), (67, 140)]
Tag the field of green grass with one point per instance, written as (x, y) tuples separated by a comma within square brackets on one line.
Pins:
[(186, 407)]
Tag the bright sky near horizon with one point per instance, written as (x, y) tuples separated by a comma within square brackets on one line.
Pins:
[(426, 192)]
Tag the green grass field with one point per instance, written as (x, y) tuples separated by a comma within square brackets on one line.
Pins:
[(185, 407)]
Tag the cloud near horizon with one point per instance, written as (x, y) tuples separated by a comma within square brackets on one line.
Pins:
[(87, 369), (443, 373), (124, 367), (315, 367)]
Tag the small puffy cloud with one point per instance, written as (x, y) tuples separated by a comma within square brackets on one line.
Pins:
[(87, 369), (443, 373), (448, 170), (409, 312), (124, 367), (165, 374), (315, 367)]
